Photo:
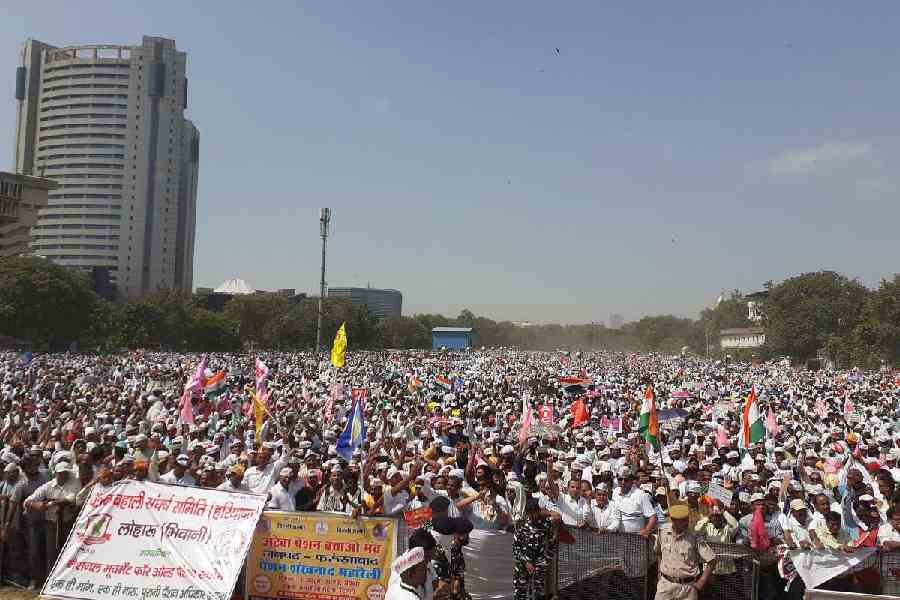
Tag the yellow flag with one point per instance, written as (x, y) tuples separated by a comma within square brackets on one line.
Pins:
[(339, 350), (259, 413)]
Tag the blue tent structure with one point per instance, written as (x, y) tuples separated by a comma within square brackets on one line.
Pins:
[(451, 338)]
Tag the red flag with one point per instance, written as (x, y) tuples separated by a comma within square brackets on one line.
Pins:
[(579, 413), (759, 537)]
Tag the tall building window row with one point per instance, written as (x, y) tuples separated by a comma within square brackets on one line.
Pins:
[(48, 107), (99, 186), (76, 66), (67, 176), (80, 155), (82, 136), (77, 236), (45, 246), (85, 76), (43, 149), (76, 226), (61, 97), (95, 206), (49, 90), (83, 116), (84, 126), (91, 216), (77, 257), (86, 166)]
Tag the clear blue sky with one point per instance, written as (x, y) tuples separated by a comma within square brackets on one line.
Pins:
[(667, 152)]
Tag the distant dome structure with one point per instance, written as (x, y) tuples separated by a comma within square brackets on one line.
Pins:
[(235, 287)]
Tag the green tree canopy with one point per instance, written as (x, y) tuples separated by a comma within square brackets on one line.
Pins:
[(812, 311), (44, 303)]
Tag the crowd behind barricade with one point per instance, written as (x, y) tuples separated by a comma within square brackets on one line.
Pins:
[(677, 450)]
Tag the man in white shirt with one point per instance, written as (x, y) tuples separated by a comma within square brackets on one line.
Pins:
[(633, 511), (259, 478), (601, 514), (179, 474), (56, 499), (396, 501), (280, 497), (796, 525), (572, 506)]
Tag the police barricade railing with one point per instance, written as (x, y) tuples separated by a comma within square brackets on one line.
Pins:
[(604, 565), (736, 575), (623, 566)]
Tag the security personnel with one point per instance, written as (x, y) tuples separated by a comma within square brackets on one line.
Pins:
[(530, 553), (686, 562)]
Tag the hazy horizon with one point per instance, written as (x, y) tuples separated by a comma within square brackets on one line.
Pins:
[(663, 154)]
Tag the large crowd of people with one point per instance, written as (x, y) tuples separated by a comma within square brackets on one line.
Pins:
[(529, 443)]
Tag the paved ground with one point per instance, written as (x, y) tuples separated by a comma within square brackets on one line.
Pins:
[(12, 593)]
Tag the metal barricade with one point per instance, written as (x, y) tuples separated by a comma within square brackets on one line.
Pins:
[(736, 576), (623, 566), (607, 565)]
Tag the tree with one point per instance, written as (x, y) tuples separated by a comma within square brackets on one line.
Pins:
[(212, 332), (877, 335), (159, 319), (813, 311), (403, 332), (44, 303), (256, 315)]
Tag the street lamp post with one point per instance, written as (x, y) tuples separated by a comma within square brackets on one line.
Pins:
[(324, 219)]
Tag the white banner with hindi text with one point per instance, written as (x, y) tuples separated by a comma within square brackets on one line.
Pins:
[(144, 541)]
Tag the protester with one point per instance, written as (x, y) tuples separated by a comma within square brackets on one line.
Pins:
[(490, 432)]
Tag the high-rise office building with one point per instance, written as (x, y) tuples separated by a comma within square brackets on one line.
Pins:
[(106, 123), (21, 197), (381, 303)]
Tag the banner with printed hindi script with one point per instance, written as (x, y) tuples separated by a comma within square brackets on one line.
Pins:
[(149, 541), (320, 556)]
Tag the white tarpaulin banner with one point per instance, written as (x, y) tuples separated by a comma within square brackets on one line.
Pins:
[(152, 541), (816, 567)]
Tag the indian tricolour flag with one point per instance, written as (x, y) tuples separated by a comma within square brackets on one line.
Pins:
[(649, 427), (444, 382), (752, 428), (215, 385)]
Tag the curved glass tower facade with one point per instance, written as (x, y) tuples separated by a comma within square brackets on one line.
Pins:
[(106, 123)]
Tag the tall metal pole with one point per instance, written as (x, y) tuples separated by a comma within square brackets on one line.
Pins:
[(324, 218)]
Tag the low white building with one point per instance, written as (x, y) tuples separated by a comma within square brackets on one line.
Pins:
[(742, 337)]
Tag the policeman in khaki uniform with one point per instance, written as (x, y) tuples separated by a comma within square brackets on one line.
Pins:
[(686, 562)]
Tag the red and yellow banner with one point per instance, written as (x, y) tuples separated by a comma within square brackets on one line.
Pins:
[(320, 556)]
